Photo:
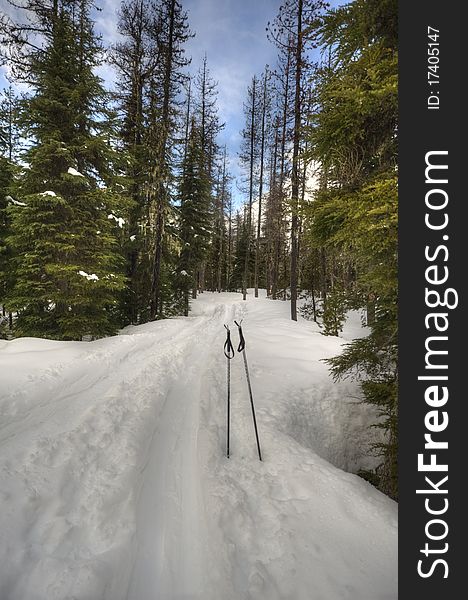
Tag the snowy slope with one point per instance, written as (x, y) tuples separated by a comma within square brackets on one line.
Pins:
[(114, 484)]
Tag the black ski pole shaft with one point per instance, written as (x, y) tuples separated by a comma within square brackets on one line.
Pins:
[(229, 354), (252, 404), (241, 348), (228, 426)]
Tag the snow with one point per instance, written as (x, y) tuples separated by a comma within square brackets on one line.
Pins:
[(353, 327), (92, 277), (48, 193), (73, 171), (15, 202), (120, 222), (113, 479), (132, 238)]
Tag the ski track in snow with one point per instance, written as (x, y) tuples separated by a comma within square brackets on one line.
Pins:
[(114, 483)]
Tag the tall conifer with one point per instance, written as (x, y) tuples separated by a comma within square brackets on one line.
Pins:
[(66, 258)]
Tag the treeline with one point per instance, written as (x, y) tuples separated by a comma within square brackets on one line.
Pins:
[(116, 206), (112, 202)]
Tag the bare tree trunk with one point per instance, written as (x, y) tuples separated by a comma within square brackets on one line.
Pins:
[(314, 307), (279, 200), (221, 223), (229, 248), (260, 186), (187, 119), (251, 185), (301, 208), (370, 310), (323, 270), (201, 281), (295, 164), (156, 283)]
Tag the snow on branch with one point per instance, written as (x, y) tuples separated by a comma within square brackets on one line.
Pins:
[(72, 171), (120, 222), (92, 277)]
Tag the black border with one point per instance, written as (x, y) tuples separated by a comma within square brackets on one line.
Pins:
[(422, 130)]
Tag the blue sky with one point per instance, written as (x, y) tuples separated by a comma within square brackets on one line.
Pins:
[(232, 33)]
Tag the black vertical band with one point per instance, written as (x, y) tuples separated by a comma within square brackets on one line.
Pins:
[(432, 269)]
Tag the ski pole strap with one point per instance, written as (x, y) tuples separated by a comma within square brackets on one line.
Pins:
[(241, 337), (228, 347)]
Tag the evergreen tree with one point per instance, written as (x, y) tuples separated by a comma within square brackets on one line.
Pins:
[(242, 240), (9, 124), (206, 114), (172, 33), (353, 135), (6, 279), (9, 145), (66, 257), (218, 257), (136, 59), (195, 214)]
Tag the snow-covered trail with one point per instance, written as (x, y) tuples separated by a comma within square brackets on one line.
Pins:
[(114, 484), (173, 547)]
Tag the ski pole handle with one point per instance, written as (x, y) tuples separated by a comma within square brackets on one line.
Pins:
[(228, 347), (241, 345)]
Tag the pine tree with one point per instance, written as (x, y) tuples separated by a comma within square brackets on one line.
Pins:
[(136, 59), (165, 87), (9, 145), (353, 135), (206, 114), (218, 257), (194, 214), (241, 241), (66, 258), (9, 125), (6, 280)]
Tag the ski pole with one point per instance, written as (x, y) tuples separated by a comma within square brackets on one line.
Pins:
[(241, 348), (229, 354)]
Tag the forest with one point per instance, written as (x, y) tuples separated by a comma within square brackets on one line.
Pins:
[(118, 206)]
